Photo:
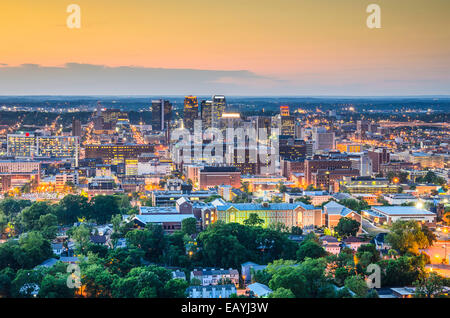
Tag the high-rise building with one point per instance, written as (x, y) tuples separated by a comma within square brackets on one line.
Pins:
[(161, 114), (262, 122), (322, 139), (190, 111), (362, 126), (287, 122), (76, 127), (206, 113), (378, 157), (284, 111), (219, 105)]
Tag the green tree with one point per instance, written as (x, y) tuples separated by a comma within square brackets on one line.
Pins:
[(97, 281), (104, 207), (55, 286), (254, 220), (311, 249), (175, 288), (367, 254), (347, 227), (26, 283), (36, 249), (358, 285), (151, 240), (189, 226), (30, 216), (6, 277), (296, 230), (407, 236), (306, 280), (430, 285), (82, 236), (48, 225), (403, 271), (282, 293), (12, 207), (71, 208)]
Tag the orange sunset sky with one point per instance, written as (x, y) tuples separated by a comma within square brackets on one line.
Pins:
[(293, 47)]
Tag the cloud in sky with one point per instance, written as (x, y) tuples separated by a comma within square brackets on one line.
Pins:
[(86, 79), (90, 79)]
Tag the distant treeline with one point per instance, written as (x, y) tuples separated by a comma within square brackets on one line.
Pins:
[(44, 118)]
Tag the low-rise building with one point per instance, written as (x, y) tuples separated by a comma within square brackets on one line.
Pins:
[(289, 214), (248, 268), (219, 291), (212, 276), (399, 198), (354, 243), (334, 211), (259, 290), (331, 244), (406, 213)]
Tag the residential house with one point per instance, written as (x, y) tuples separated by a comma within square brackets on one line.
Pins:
[(211, 291), (211, 276)]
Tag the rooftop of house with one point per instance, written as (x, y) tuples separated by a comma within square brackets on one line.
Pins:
[(162, 218), (353, 239), (402, 210), (329, 239), (211, 287), (335, 208), (157, 210), (259, 289), (265, 206), (213, 271), (98, 239)]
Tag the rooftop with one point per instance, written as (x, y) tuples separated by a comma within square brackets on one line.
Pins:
[(262, 207), (402, 210), (162, 218)]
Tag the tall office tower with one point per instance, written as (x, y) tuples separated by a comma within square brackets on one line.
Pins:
[(262, 122), (362, 163), (219, 104), (206, 113), (76, 127), (161, 114), (362, 126), (284, 111), (287, 122), (322, 139), (99, 109), (378, 157), (190, 111), (298, 131)]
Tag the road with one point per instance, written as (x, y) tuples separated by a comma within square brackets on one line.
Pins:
[(372, 229)]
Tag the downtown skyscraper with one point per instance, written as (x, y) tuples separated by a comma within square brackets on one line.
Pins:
[(161, 114), (190, 113), (219, 104)]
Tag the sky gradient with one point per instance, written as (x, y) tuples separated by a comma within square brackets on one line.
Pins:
[(245, 47)]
